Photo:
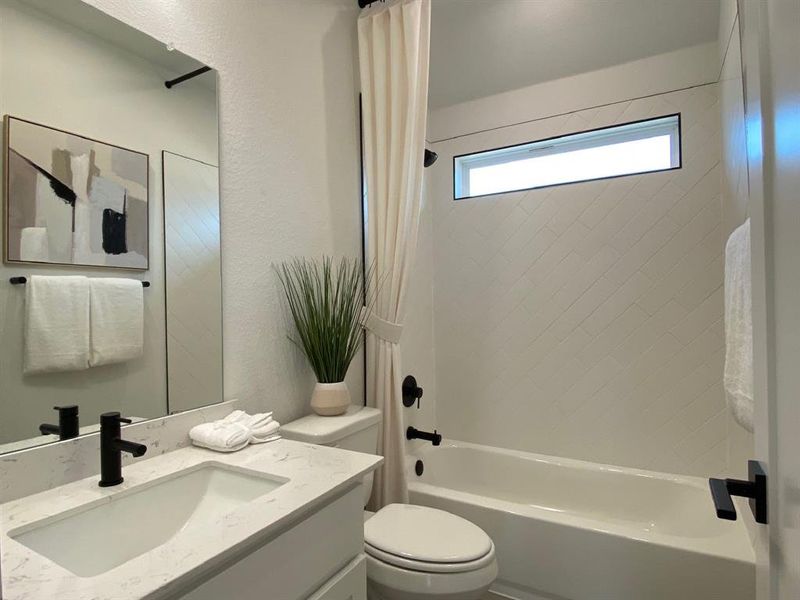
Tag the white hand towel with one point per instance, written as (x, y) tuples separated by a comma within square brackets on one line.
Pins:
[(56, 324), (738, 376), (262, 427), (268, 433), (259, 420), (252, 421), (219, 436), (117, 320), (236, 417)]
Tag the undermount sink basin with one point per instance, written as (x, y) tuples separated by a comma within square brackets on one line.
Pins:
[(104, 534)]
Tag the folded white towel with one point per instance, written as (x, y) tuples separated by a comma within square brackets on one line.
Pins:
[(219, 436), (262, 427), (266, 433), (117, 320), (738, 376), (255, 421), (56, 324)]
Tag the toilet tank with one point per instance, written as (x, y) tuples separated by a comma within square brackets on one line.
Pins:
[(355, 430)]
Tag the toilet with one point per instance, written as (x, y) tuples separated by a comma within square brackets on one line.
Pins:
[(413, 552)]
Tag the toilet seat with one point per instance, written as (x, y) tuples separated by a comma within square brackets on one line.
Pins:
[(427, 540), (429, 567)]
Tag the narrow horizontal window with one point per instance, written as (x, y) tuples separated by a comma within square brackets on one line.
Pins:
[(640, 147)]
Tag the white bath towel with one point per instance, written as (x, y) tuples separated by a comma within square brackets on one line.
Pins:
[(220, 436), (267, 433), (738, 376), (263, 428), (117, 320), (56, 324), (33, 244), (252, 421)]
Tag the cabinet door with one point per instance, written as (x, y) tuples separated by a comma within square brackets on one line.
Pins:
[(298, 561), (349, 584)]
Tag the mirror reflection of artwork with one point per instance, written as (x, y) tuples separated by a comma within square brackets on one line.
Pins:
[(72, 200)]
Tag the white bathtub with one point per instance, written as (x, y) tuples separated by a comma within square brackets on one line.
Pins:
[(574, 530)]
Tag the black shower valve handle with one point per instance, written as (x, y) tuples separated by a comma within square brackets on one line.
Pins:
[(411, 392)]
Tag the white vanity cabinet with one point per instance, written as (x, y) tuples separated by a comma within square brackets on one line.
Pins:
[(348, 584), (317, 558), (279, 521)]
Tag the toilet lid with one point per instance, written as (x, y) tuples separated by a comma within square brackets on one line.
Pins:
[(423, 534)]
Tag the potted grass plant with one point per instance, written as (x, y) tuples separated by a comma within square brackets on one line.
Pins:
[(327, 300)]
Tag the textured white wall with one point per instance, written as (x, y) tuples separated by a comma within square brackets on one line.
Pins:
[(289, 164)]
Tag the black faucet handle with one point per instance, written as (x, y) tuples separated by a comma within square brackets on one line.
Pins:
[(113, 418), (68, 424)]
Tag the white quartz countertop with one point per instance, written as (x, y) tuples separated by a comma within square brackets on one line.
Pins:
[(316, 475)]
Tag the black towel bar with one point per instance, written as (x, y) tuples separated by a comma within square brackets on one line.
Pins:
[(24, 280)]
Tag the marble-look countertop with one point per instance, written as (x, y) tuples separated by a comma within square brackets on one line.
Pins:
[(316, 475)]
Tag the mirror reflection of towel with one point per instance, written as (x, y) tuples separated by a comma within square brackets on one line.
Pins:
[(114, 238), (56, 324), (117, 320)]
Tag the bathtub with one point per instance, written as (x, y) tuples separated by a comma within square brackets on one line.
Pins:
[(572, 530)]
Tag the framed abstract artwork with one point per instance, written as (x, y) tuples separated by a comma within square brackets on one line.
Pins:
[(72, 200)]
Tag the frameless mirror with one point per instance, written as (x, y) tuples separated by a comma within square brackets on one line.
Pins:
[(110, 169)]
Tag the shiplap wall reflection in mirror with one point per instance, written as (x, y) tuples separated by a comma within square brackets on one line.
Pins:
[(69, 67)]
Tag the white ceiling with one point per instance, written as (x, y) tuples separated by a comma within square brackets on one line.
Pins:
[(483, 47)]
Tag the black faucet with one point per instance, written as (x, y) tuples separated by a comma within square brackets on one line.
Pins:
[(412, 433), (111, 448), (67, 427)]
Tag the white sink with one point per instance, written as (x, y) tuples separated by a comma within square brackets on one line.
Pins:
[(104, 534)]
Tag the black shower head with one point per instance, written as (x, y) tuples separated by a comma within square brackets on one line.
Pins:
[(430, 157)]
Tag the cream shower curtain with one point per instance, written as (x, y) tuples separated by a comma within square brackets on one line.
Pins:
[(394, 45)]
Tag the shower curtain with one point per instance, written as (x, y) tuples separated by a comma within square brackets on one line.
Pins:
[(394, 45)]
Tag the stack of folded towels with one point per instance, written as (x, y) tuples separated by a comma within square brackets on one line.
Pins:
[(236, 431)]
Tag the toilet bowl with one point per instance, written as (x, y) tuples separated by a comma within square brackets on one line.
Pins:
[(421, 553), (413, 552)]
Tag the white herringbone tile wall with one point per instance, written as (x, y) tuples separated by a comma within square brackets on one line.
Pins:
[(194, 282), (585, 320)]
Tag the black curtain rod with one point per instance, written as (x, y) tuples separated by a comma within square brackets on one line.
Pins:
[(366, 3), (183, 78), (24, 280)]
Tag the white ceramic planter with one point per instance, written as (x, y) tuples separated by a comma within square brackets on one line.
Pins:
[(330, 399)]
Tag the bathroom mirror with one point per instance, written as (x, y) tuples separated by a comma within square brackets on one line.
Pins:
[(110, 170)]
